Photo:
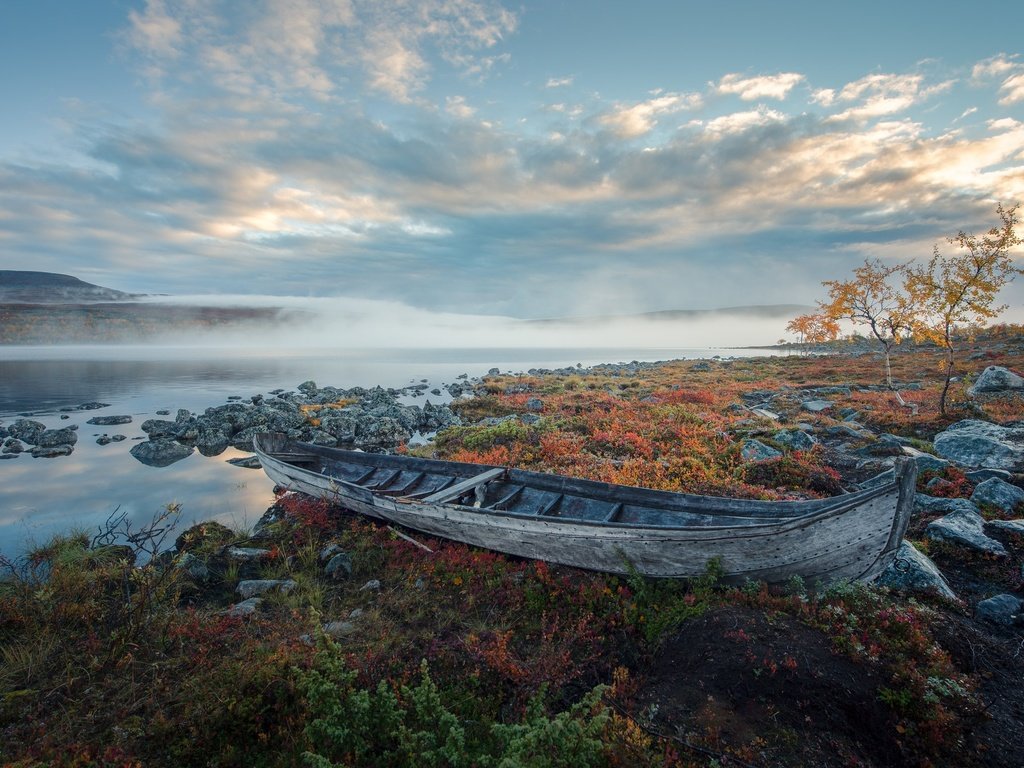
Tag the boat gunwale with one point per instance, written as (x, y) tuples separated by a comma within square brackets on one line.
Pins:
[(822, 509)]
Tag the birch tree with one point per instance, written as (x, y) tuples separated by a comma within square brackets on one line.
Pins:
[(956, 291), (876, 298)]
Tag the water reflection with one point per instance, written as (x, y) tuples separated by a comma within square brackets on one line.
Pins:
[(40, 497)]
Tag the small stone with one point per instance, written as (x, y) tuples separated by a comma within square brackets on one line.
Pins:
[(817, 406), (246, 607), (252, 587), (371, 585), (534, 404), (330, 551), (247, 554), (246, 462), (355, 613), (339, 566), (339, 628), (1000, 609)]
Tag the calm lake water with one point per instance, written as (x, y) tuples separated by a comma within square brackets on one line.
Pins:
[(40, 497)]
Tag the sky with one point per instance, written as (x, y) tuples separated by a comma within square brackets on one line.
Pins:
[(530, 159)]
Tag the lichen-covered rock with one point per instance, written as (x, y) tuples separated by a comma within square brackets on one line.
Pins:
[(795, 439), (51, 451), (248, 554), (817, 406), (252, 587), (998, 493), (339, 566), (913, 571), (13, 445), (246, 607), (108, 421), (755, 450), (161, 452), (974, 443), (194, 567), (966, 529), (50, 438), (26, 430), (925, 503), (156, 428), (1009, 526), (924, 461), (1001, 609), (994, 379), (382, 433)]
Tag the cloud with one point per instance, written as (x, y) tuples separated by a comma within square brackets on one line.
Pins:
[(558, 82), (1012, 89), (456, 106), (633, 120), (994, 67), (882, 94), (280, 49), (760, 87)]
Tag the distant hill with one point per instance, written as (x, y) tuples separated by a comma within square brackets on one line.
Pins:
[(24, 287), (753, 312)]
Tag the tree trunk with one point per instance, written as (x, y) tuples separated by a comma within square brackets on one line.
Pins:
[(888, 369), (949, 375)]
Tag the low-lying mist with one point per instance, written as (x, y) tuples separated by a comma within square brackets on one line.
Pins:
[(348, 323)]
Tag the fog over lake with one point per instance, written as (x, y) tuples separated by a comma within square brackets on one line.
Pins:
[(343, 343)]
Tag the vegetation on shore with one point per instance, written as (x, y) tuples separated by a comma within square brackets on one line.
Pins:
[(447, 655)]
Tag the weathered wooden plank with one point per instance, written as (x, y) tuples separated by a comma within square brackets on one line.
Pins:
[(503, 502), (464, 487)]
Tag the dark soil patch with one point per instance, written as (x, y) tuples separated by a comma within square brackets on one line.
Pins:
[(769, 690), (997, 657)]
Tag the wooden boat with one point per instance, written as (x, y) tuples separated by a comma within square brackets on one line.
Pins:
[(606, 527)]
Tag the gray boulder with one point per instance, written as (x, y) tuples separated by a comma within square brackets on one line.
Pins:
[(925, 503), (795, 439), (26, 430), (755, 450), (50, 438), (966, 529), (1009, 526), (438, 417), (161, 452), (974, 443), (998, 493), (1000, 609), (211, 441), (913, 571), (253, 587), (996, 378), (159, 428), (924, 461), (194, 567), (382, 433), (107, 421), (339, 628), (51, 451)]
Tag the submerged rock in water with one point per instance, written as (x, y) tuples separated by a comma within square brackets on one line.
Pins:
[(52, 451), (161, 452), (108, 421)]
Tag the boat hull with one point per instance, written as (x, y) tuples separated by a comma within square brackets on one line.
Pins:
[(853, 538)]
